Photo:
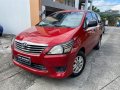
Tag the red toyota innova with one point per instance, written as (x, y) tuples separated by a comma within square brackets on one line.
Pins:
[(57, 46)]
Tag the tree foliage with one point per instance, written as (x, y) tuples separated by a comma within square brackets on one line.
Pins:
[(112, 18), (95, 9)]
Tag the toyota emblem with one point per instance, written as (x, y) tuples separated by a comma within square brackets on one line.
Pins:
[(24, 45)]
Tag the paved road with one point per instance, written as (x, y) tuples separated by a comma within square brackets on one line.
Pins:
[(101, 71)]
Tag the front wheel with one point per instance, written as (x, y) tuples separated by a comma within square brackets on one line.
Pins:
[(79, 64)]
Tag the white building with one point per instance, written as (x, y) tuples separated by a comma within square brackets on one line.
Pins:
[(84, 4), (14, 15)]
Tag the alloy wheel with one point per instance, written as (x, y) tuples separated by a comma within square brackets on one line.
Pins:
[(78, 64)]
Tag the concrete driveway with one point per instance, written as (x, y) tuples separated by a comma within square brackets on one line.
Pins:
[(102, 71)]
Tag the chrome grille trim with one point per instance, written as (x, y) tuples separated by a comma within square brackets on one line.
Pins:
[(29, 47)]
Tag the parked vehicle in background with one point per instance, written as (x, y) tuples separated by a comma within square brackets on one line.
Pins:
[(58, 45), (106, 23), (118, 24), (1, 30)]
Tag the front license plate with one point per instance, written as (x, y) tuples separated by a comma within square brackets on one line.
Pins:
[(23, 60)]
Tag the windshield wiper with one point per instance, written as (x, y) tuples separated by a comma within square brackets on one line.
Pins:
[(45, 25), (57, 25)]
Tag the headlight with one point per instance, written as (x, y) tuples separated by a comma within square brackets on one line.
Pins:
[(56, 50), (62, 49)]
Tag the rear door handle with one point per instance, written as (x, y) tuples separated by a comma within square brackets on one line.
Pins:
[(91, 31), (95, 29)]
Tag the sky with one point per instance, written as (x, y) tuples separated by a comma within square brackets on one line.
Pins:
[(104, 5)]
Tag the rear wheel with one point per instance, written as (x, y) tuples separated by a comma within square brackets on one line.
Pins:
[(97, 47), (79, 64), (1, 30), (0, 34)]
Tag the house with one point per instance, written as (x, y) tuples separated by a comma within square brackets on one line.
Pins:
[(18, 15), (83, 4)]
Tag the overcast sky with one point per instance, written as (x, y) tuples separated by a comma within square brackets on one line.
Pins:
[(104, 5)]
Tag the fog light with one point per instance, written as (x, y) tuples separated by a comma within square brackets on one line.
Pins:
[(60, 69)]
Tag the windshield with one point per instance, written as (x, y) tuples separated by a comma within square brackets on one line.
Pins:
[(63, 19)]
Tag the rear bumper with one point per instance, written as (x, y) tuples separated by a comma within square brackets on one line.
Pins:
[(51, 62)]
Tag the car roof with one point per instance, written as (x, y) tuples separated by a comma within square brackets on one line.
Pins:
[(84, 11)]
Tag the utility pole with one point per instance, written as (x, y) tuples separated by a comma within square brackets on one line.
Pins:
[(86, 4), (77, 4), (91, 4)]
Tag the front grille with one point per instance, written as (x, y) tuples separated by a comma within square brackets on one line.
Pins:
[(32, 65), (29, 47)]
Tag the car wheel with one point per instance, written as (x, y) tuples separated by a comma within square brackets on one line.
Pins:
[(79, 64), (1, 30), (0, 34), (104, 30), (97, 47)]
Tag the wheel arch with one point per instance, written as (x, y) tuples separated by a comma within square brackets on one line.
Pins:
[(101, 36), (82, 49)]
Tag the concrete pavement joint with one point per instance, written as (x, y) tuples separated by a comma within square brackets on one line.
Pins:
[(109, 83), (10, 76)]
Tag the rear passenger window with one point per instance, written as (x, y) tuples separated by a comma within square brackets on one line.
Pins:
[(99, 18), (95, 16), (89, 17)]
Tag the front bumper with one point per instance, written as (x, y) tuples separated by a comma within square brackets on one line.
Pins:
[(50, 62)]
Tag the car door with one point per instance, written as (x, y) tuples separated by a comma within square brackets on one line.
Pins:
[(98, 28), (89, 33)]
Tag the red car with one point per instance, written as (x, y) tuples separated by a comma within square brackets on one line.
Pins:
[(57, 46)]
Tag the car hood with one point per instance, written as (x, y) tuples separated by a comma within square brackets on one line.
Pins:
[(47, 35)]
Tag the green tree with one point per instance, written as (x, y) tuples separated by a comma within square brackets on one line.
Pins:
[(95, 9), (112, 18)]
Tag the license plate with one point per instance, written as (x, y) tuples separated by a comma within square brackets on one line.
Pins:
[(23, 60)]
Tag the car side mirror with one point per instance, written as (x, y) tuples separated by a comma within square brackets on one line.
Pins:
[(92, 23)]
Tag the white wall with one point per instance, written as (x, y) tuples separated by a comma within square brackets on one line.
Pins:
[(15, 15)]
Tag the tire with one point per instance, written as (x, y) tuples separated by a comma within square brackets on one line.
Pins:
[(80, 63), (103, 30), (97, 47), (0, 34), (1, 30)]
